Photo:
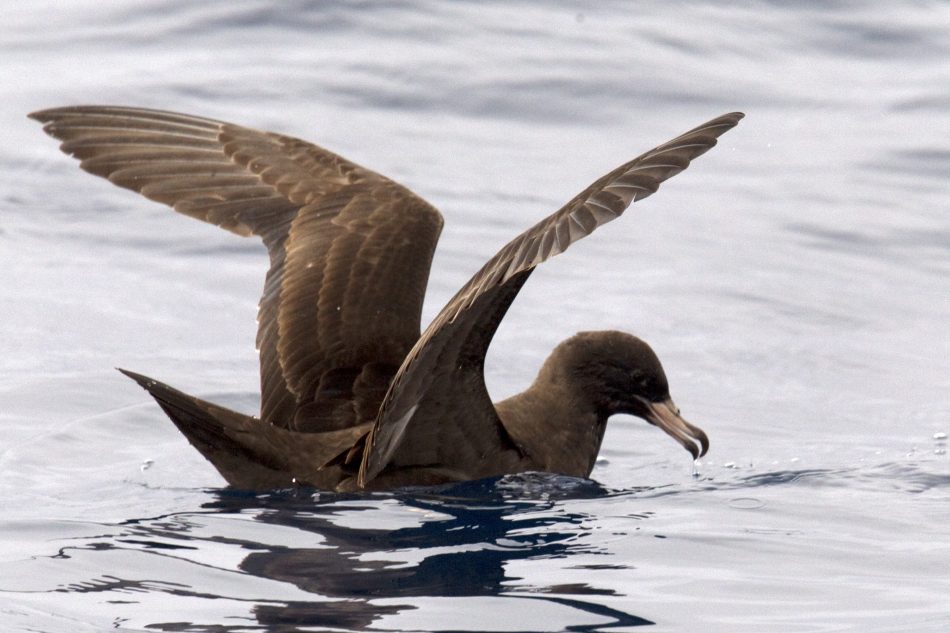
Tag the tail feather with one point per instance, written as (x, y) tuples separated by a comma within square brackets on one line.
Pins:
[(251, 454), (221, 435)]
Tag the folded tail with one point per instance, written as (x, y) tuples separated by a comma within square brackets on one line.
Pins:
[(255, 455), (231, 441)]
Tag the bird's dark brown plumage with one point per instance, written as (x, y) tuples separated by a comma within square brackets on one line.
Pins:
[(351, 394)]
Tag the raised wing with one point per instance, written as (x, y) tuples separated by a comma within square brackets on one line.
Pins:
[(350, 250), (437, 413)]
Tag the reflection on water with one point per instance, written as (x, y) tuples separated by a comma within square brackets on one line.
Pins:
[(796, 281), (459, 543), (524, 553)]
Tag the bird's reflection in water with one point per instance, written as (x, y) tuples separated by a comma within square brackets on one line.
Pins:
[(459, 548)]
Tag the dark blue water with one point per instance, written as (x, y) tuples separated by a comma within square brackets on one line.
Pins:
[(795, 281)]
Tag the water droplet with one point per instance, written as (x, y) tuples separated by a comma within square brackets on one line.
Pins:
[(940, 435), (729, 465), (146, 464)]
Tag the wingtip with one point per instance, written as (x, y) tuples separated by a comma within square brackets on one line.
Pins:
[(43, 116), (715, 128), (730, 119), (143, 381), (49, 115), (736, 117)]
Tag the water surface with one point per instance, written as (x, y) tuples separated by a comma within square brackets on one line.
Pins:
[(795, 281)]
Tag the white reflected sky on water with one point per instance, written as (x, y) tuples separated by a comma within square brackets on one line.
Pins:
[(795, 282)]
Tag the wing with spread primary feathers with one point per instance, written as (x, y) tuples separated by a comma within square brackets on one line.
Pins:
[(421, 425), (349, 250)]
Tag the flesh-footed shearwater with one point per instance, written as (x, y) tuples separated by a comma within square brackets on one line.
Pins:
[(352, 396)]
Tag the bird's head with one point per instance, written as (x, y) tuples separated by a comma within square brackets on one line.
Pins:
[(615, 372)]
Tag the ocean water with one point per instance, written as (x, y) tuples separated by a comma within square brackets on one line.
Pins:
[(795, 281)]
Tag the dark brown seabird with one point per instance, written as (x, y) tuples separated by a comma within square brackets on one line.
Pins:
[(352, 396)]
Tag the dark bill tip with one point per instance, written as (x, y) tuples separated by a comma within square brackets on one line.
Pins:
[(666, 415)]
